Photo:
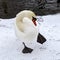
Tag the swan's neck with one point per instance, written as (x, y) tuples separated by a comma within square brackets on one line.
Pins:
[(20, 25)]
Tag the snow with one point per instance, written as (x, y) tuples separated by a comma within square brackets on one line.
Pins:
[(11, 47)]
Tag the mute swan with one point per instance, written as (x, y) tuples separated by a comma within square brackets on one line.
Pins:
[(26, 30)]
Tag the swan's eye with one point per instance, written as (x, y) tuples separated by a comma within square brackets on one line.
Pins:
[(34, 20)]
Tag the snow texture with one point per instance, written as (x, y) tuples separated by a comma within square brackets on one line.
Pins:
[(11, 47)]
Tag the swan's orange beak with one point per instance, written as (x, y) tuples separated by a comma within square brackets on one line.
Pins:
[(34, 21)]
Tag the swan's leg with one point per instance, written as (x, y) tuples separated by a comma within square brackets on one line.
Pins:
[(26, 49), (41, 39)]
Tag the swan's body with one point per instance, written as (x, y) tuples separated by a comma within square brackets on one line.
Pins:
[(26, 31)]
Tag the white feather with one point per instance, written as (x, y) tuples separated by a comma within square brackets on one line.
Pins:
[(26, 31)]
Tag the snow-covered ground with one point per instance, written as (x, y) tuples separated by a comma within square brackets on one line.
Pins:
[(11, 47)]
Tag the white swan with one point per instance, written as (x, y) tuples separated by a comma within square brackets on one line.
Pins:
[(25, 28)]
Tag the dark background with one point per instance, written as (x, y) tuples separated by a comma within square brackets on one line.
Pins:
[(9, 8)]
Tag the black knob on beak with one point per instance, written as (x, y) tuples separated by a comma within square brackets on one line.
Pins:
[(33, 18)]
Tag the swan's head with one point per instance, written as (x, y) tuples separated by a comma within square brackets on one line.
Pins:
[(26, 13)]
